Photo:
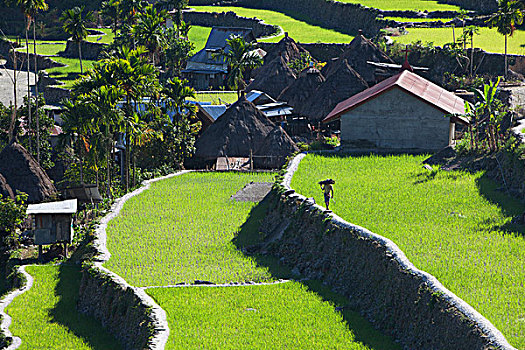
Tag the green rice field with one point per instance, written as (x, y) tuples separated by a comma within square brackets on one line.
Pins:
[(216, 98), (199, 35), (414, 20), (300, 31), (188, 228), (45, 316), (160, 239), (453, 225), (279, 316), (488, 39), (414, 5)]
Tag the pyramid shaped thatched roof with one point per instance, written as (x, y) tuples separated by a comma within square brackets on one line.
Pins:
[(287, 48), (340, 85), (357, 54), (273, 77), (302, 88), (23, 173), (275, 148), (240, 129), (5, 189)]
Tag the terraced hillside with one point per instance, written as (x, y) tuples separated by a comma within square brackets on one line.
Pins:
[(453, 225)]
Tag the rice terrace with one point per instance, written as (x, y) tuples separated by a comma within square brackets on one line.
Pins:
[(248, 174)]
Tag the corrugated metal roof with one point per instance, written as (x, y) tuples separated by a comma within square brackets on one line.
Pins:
[(412, 83), (214, 111), (62, 207)]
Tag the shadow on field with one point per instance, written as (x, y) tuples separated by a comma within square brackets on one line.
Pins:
[(66, 313), (250, 237), (510, 206)]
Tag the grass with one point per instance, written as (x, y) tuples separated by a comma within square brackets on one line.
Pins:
[(414, 5), (405, 19), (216, 98), (454, 225), (45, 316), (68, 73), (46, 48), (489, 39), (106, 39), (280, 316), (298, 30), (199, 35), (180, 230)]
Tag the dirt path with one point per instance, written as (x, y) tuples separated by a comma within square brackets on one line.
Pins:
[(6, 86)]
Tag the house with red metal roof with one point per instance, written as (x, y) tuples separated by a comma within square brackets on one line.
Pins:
[(403, 112)]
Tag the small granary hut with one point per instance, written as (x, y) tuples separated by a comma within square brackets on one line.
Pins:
[(277, 146), (403, 113), (239, 131), (23, 173), (344, 82), (5, 190), (273, 77), (301, 90)]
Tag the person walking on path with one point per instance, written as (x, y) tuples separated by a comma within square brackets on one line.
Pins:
[(328, 190)]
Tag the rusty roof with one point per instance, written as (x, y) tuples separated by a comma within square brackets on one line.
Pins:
[(412, 83)]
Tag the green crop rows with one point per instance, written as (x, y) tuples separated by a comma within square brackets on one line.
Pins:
[(403, 5), (45, 317), (299, 30), (453, 225), (180, 230), (280, 316)]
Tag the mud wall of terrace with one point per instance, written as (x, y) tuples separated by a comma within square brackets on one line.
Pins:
[(373, 273)]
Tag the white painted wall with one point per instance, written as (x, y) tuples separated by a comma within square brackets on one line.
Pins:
[(396, 120)]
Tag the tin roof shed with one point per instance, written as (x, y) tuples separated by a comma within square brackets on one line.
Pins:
[(62, 207)]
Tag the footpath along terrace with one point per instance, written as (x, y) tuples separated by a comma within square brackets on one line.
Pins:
[(453, 225)]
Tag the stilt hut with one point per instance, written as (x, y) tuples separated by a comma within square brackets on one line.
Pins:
[(273, 77), (302, 89)]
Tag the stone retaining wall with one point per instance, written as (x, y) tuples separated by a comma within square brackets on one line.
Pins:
[(90, 50), (230, 19), (374, 274), (44, 62), (482, 6), (55, 94), (118, 306)]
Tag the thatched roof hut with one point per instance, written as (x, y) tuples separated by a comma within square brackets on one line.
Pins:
[(343, 82), (357, 54), (240, 129), (303, 87), (273, 77), (273, 151), (23, 173), (5, 189), (287, 48)]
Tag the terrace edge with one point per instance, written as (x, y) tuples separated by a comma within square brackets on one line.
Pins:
[(99, 285), (6, 300), (491, 335)]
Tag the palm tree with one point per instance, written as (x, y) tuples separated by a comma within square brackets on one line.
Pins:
[(75, 25), (112, 10), (30, 9), (240, 56), (175, 94), (129, 9), (77, 123), (149, 30), (468, 34), (509, 15)]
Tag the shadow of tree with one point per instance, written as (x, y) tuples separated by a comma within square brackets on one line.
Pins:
[(250, 238), (65, 311), (510, 207)]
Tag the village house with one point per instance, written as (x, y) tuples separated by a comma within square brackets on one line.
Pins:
[(403, 112), (204, 70)]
